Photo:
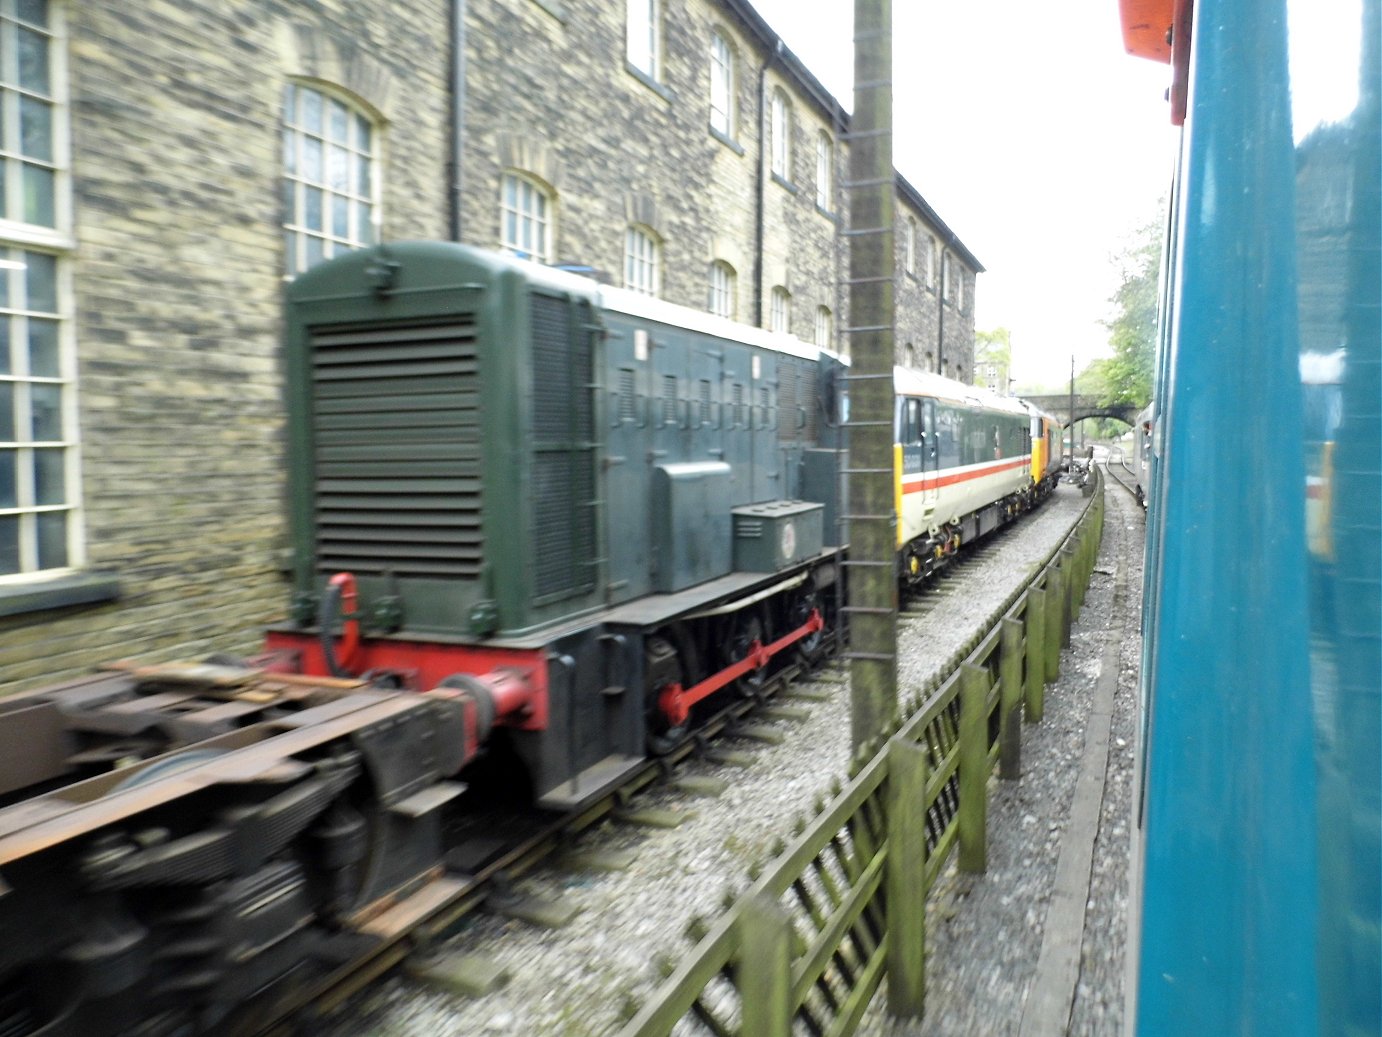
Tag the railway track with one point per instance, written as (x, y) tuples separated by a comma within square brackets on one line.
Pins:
[(1119, 471), (572, 979)]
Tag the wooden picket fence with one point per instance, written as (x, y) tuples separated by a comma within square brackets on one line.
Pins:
[(805, 948)]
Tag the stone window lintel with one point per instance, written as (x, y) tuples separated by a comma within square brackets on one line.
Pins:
[(83, 588)]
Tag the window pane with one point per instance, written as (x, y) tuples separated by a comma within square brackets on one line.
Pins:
[(7, 433), (311, 111), (9, 495), (362, 133), (362, 182), (9, 543), (41, 277), (312, 209), (52, 540), (5, 366), (45, 402), (340, 122), (34, 11), (43, 347), (290, 152), (49, 485), (340, 216), (36, 128), (33, 61), (38, 196), (314, 250), (312, 159), (338, 170), (365, 227)]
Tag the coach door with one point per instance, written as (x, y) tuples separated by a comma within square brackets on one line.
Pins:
[(930, 453)]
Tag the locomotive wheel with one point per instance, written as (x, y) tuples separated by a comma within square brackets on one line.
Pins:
[(750, 625), (804, 602), (664, 668)]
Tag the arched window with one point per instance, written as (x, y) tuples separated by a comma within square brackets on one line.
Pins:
[(642, 261), (330, 156), (721, 86), (723, 289), (525, 217), (910, 247), (780, 136), (780, 312), (909, 355), (823, 327), (825, 171)]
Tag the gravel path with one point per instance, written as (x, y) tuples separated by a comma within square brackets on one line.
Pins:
[(985, 932), (579, 980)]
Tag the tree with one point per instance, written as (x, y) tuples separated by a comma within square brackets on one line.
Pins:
[(993, 348), (1132, 330)]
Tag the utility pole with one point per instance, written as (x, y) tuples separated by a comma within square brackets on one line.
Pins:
[(872, 564)]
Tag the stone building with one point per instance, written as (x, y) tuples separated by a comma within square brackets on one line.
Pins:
[(168, 165)]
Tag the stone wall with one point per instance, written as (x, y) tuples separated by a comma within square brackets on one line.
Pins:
[(177, 270)]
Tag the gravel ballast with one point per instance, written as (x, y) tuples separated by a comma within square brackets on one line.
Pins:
[(581, 979)]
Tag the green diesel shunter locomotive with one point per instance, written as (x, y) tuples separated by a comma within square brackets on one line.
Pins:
[(578, 510)]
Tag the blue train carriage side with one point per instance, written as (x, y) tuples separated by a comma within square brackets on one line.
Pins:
[(1257, 865), (964, 459), (581, 511)]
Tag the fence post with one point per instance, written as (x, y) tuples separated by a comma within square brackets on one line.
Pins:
[(905, 879), (974, 768), (765, 975), (1036, 653), (1055, 619), (1010, 702), (1069, 577)]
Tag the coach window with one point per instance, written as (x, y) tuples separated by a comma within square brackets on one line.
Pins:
[(642, 261), (330, 176), (525, 209)]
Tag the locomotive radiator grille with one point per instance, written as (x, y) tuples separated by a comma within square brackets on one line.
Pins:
[(396, 431), (564, 475)]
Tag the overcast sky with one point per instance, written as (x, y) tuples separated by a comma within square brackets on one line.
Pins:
[(1039, 142)]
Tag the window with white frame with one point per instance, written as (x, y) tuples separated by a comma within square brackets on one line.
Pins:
[(960, 289), (40, 527), (645, 36), (721, 86), (330, 158), (930, 261), (642, 262), (722, 289), (525, 218), (780, 134), (825, 170), (780, 310), (947, 281), (910, 246), (823, 327)]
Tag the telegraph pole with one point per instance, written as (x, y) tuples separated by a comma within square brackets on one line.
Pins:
[(872, 564)]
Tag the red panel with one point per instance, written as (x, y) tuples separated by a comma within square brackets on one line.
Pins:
[(425, 664), (935, 482)]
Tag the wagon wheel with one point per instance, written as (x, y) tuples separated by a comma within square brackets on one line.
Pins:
[(664, 668), (749, 625)]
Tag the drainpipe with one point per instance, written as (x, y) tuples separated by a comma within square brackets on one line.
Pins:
[(940, 309), (457, 177), (762, 182)]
